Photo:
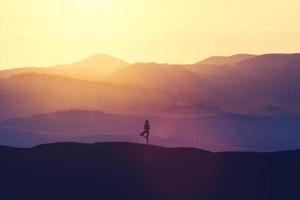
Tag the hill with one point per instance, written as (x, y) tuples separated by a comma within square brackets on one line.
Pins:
[(153, 75), (31, 93), (133, 171), (96, 68), (225, 60), (93, 68), (264, 85), (250, 86)]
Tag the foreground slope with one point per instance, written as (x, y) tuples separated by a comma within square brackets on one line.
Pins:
[(132, 171)]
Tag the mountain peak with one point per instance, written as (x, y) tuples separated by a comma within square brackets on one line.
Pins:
[(93, 68), (101, 59)]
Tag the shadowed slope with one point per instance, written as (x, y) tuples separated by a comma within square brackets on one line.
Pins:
[(132, 171)]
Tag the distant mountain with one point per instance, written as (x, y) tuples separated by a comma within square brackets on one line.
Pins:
[(94, 68), (273, 62), (246, 88), (253, 84), (194, 110), (225, 60), (133, 172), (159, 76), (4, 74), (31, 93)]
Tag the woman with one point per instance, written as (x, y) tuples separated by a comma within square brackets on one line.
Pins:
[(145, 133)]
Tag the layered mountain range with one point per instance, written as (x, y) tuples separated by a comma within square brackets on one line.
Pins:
[(237, 96), (241, 84)]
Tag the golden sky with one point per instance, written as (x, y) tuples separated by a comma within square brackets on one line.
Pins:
[(49, 32)]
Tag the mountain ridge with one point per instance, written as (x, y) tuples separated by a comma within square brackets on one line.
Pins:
[(226, 60), (92, 68)]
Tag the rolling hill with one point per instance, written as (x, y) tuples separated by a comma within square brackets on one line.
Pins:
[(225, 60), (153, 75), (133, 171), (31, 93), (94, 68), (254, 84)]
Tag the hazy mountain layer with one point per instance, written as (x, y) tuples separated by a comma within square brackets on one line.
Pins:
[(223, 60), (27, 94), (266, 85), (248, 87), (249, 105), (94, 68), (225, 133)]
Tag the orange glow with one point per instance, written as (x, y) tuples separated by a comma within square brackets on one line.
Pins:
[(45, 33)]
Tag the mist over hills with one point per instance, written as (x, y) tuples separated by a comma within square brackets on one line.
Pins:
[(240, 105), (27, 94), (153, 75), (254, 84), (258, 82), (134, 171), (225, 132), (247, 87)]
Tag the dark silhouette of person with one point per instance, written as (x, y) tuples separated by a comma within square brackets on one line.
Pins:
[(145, 133)]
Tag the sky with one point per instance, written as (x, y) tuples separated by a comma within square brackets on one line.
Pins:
[(45, 33)]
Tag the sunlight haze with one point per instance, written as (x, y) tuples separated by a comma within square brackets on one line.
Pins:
[(45, 33)]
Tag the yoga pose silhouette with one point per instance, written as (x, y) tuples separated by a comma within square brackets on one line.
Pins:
[(145, 133)]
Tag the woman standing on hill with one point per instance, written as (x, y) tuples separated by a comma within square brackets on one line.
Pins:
[(145, 133)]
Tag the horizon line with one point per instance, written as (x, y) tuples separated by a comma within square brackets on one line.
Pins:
[(3, 68)]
